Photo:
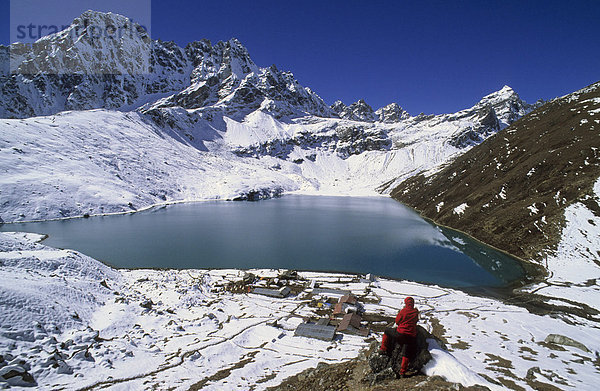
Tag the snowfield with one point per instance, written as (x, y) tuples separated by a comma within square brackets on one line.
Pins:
[(100, 161), (573, 268), (73, 323)]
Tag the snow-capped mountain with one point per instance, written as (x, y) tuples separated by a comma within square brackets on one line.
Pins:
[(391, 113), (361, 111), (357, 111), (209, 122), (74, 70), (491, 114)]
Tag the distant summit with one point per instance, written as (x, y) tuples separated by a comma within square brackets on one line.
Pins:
[(391, 113), (361, 111)]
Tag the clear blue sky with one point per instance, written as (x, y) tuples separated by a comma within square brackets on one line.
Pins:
[(429, 56)]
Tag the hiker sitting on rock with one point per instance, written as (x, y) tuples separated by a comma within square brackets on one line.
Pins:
[(404, 334)]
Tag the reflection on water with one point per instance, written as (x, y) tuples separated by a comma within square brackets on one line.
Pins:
[(364, 235)]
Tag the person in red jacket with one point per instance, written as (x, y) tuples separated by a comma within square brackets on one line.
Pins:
[(405, 334)]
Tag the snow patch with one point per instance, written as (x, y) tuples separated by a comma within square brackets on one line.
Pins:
[(502, 193), (460, 209), (445, 365), (575, 262)]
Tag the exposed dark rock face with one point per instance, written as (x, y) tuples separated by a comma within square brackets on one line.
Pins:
[(488, 125), (260, 194), (353, 140), (338, 107), (345, 141)]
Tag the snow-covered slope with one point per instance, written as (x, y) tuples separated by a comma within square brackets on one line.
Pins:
[(99, 161), (71, 322), (574, 266), (62, 288)]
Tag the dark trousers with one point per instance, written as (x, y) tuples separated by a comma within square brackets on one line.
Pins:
[(408, 342)]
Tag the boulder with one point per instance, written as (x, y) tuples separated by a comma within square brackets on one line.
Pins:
[(248, 278), (378, 362), (147, 304), (562, 340), (16, 375), (288, 275), (384, 366)]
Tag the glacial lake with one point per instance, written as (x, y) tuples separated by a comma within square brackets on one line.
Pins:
[(347, 234)]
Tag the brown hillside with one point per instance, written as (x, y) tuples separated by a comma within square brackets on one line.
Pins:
[(517, 183)]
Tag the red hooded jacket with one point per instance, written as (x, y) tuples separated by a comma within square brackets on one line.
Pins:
[(407, 318)]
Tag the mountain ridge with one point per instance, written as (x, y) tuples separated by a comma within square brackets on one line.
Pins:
[(61, 72)]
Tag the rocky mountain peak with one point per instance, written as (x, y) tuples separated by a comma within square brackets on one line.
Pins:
[(361, 111), (507, 105), (338, 107), (95, 43), (391, 113), (235, 58), (502, 95), (79, 69), (357, 111), (222, 60), (225, 75)]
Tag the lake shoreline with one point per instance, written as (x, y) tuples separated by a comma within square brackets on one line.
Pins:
[(355, 235), (534, 272), (193, 201)]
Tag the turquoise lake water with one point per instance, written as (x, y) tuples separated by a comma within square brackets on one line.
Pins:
[(347, 234)]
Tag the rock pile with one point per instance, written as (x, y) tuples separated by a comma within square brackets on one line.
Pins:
[(384, 367), (15, 372)]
